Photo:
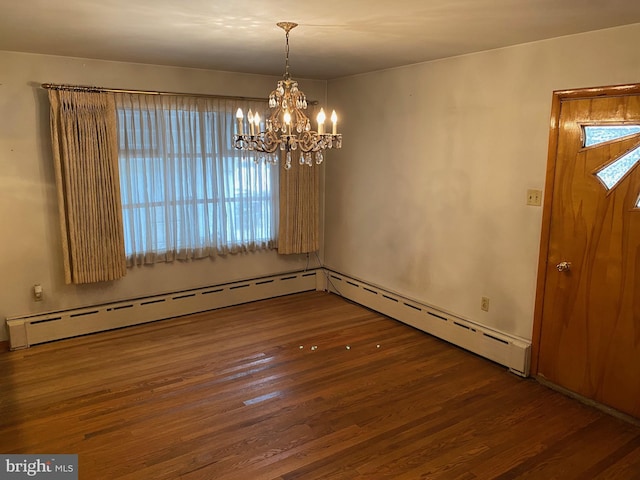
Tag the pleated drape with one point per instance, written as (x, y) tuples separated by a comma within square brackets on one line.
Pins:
[(299, 222), (85, 149)]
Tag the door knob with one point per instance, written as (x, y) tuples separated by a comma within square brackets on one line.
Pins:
[(564, 266)]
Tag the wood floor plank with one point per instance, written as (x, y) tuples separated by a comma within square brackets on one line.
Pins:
[(307, 386)]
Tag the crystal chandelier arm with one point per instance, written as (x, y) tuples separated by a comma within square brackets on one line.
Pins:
[(301, 121), (264, 142), (310, 141), (276, 119)]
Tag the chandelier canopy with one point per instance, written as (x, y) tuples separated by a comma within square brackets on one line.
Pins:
[(288, 129)]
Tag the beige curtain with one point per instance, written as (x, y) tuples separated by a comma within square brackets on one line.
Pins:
[(85, 154), (299, 221)]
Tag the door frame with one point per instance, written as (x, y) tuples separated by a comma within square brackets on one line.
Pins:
[(554, 130)]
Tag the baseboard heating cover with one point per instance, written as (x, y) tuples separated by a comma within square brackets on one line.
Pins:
[(30, 330), (512, 352)]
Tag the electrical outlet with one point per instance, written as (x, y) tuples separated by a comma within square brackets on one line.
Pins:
[(534, 197), (484, 304), (37, 292)]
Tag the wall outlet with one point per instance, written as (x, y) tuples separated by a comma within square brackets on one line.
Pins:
[(38, 292), (484, 304), (534, 197)]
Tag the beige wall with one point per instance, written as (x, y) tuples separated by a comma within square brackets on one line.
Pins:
[(30, 237), (427, 196)]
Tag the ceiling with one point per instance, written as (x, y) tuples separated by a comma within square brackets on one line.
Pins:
[(335, 37)]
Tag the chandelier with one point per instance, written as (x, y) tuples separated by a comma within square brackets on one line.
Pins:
[(288, 129)]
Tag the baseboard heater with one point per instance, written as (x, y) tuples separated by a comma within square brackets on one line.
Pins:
[(507, 350), (28, 330), (499, 347)]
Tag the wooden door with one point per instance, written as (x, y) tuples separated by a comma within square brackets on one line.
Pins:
[(587, 330)]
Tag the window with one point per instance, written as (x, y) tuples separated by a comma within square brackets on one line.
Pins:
[(597, 134), (612, 173), (186, 192), (615, 171)]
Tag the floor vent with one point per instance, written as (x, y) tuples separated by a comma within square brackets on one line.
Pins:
[(25, 331), (499, 347)]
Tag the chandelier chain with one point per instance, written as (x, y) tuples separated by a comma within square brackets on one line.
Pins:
[(286, 65), (287, 27)]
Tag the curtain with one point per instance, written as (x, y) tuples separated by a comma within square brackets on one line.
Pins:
[(299, 209), (299, 223), (83, 130), (186, 192)]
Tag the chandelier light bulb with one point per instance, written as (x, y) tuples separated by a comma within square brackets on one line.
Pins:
[(250, 120), (334, 120), (239, 118), (321, 118)]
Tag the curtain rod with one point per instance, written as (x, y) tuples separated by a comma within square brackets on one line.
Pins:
[(84, 88)]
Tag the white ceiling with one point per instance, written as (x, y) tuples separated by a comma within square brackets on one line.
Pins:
[(335, 37)]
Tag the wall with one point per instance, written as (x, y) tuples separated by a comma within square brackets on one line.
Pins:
[(427, 196), (30, 244)]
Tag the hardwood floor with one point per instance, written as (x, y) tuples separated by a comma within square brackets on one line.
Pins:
[(307, 386)]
